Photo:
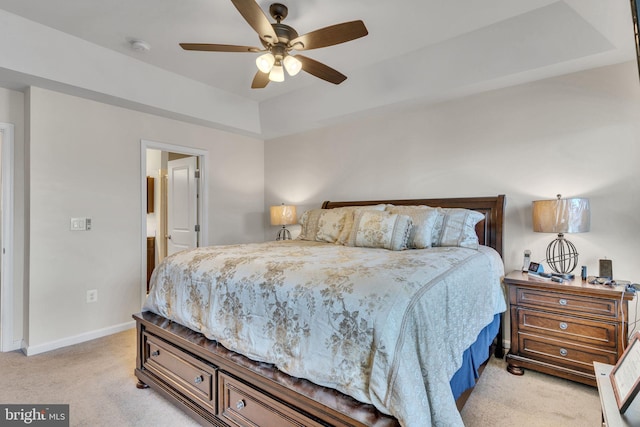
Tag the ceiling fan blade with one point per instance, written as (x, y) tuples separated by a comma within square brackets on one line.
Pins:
[(251, 12), (320, 70), (208, 47), (260, 80), (329, 36)]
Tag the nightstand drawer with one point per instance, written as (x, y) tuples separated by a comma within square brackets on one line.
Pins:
[(563, 353), (567, 302), (583, 331), (194, 377)]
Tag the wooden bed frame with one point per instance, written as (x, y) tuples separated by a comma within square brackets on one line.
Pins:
[(219, 387)]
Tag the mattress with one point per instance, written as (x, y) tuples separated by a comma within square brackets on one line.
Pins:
[(386, 327)]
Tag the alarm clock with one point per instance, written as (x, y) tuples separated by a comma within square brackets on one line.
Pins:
[(535, 267)]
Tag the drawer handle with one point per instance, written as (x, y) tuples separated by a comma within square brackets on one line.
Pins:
[(563, 326), (240, 404), (155, 353), (562, 301), (198, 379), (563, 352)]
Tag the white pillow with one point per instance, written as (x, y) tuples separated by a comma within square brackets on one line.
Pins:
[(424, 219), (458, 228)]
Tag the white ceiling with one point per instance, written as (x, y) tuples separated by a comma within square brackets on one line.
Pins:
[(416, 50)]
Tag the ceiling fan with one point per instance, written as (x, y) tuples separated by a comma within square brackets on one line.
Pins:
[(279, 40)]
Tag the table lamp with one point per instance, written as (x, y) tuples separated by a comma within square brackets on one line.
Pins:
[(561, 216), (283, 215)]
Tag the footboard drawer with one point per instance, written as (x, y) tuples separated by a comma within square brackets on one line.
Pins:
[(244, 406), (192, 376)]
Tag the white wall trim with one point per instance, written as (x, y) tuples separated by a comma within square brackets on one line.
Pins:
[(202, 205), (7, 341), (77, 339)]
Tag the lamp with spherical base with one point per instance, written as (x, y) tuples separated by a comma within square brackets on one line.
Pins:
[(283, 215), (561, 216)]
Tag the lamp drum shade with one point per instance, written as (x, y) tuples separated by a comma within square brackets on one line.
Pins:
[(561, 216), (283, 215)]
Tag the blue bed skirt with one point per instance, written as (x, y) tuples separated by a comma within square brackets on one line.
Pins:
[(473, 357)]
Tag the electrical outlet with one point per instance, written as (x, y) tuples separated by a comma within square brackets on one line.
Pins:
[(92, 295)]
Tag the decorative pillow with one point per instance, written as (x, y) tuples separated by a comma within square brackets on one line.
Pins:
[(348, 220), (380, 229), (330, 225), (424, 219), (309, 224), (458, 228)]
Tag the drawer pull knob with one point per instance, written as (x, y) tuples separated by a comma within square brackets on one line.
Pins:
[(155, 353), (562, 301), (240, 404), (563, 352), (563, 326), (198, 379)]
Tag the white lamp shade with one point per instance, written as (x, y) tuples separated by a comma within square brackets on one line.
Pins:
[(265, 62), (283, 215), (561, 216), (277, 74), (292, 65)]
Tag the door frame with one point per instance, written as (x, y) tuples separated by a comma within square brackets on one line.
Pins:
[(7, 342), (203, 161)]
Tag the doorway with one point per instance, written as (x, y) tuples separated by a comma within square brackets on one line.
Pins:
[(174, 176), (7, 339)]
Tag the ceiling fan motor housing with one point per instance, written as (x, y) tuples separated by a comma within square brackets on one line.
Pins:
[(285, 34)]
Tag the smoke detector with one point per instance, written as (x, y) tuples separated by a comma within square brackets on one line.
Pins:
[(139, 45)]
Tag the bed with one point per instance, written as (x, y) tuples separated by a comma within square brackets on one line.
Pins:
[(314, 333)]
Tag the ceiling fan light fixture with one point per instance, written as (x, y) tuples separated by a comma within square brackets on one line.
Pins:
[(277, 73), (292, 65), (265, 62)]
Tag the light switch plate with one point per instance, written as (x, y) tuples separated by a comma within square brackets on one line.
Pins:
[(80, 224)]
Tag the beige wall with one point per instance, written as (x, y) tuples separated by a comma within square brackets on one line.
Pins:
[(85, 161), (578, 135)]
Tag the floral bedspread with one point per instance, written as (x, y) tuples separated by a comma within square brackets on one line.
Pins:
[(385, 327)]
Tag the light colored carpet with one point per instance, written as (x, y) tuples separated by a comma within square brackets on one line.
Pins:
[(96, 379), (531, 400)]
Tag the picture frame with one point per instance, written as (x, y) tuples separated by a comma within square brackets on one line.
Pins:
[(625, 375)]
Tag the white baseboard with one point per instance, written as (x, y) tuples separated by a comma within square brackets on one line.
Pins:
[(77, 339), (13, 346), (507, 345)]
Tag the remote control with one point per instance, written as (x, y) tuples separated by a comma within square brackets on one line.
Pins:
[(541, 275)]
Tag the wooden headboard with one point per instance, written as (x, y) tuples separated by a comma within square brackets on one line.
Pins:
[(489, 230)]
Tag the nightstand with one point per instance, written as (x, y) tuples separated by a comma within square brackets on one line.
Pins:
[(562, 328)]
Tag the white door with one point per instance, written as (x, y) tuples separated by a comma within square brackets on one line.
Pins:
[(182, 204)]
